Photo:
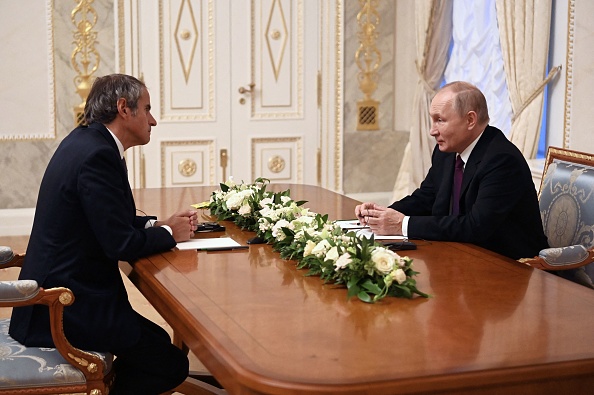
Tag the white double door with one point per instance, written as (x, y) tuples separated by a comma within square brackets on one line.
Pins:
[(234, 89)]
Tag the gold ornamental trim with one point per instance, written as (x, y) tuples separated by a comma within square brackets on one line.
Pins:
[(187, 167), (85, 58), (368, 59), (65, 298), (569, 73), (276, 163), (91, 367)]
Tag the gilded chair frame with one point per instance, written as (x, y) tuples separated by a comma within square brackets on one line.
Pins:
[(561, 258), (97, 382)]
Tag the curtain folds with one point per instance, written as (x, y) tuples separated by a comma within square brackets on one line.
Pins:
[(433, 35), (524, 29)]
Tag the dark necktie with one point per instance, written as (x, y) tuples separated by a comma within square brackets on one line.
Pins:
[(458, 174), (124, 165)]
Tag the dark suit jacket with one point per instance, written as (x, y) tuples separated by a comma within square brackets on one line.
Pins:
[(85, 221), (498, 203)]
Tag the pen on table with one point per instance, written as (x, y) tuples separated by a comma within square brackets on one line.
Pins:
[(225, 248)]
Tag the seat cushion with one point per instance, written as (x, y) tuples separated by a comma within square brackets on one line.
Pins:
[(18, 290), (6, 254), (22, 366), (564, 256)]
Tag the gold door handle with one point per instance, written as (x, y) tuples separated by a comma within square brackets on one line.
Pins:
[(249, 90), (223, 157)]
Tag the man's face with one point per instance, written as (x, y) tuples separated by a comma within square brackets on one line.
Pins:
[(140, 123), (451, 131)]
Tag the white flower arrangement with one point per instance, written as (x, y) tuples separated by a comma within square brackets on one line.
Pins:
[(368, 270)]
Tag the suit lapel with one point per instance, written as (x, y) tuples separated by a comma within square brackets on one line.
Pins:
[(443, 199), (475, 159)]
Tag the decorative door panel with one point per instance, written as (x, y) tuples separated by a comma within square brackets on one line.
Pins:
[(188, 163), (187, 61), (277, 91), (231, 84), (277, 58)]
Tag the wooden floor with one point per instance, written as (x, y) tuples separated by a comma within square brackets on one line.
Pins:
[(140, 304)]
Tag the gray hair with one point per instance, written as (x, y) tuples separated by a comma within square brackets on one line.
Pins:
[(468, 98), (102, 103)]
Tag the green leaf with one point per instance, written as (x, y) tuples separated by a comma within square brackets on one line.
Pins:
[(364, 296), (371, 287), (352, 290)]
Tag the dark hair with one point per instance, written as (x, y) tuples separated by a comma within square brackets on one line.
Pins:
[(103, 98), (469, 98)]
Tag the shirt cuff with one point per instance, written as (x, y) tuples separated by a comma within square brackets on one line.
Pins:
[(151, 222), (405, 226)]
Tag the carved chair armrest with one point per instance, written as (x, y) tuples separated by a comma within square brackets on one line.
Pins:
[(561, 258), (9, 259), (56, 299)]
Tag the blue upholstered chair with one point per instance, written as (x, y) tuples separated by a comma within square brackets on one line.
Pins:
[(33, 370), (566, 200)]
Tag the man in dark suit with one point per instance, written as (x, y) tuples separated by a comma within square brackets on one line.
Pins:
[(497, 206), (85, 221)]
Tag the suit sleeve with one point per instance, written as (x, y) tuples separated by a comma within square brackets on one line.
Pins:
[(493, 198), (106, 199), (422, 200)]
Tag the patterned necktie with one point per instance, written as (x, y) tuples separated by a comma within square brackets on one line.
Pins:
[(458, 174)]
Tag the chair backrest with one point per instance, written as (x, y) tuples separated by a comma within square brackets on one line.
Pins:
[(566, 198)]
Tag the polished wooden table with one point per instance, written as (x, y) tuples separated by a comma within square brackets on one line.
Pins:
[(262, 327)]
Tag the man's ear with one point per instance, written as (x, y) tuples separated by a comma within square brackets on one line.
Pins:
[(471, 119), (122, 105)]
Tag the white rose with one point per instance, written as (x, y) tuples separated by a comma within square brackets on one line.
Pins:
[(343, 261), (245, 209), (305, 220), (332, 254), (234, 200), (276, 228), (265, 212), (321, 248), (309, 246), (383, 260), (399, 276)]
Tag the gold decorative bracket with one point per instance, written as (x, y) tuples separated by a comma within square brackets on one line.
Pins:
[(85, 58), (368, 59)]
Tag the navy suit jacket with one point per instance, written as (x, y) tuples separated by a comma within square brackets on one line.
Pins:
[(85, 221), (498, 203)]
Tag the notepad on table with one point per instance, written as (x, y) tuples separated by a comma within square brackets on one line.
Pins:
[(348, 224), (207, 243), (367, 233)]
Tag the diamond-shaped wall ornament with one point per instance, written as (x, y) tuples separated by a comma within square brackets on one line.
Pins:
[(186, 36), (276, 36)]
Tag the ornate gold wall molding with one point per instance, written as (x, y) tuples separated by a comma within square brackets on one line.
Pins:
[(188, 162), (85, 58), (368, 59)]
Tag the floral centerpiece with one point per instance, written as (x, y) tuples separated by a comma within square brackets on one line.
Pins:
[(367, 269)]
